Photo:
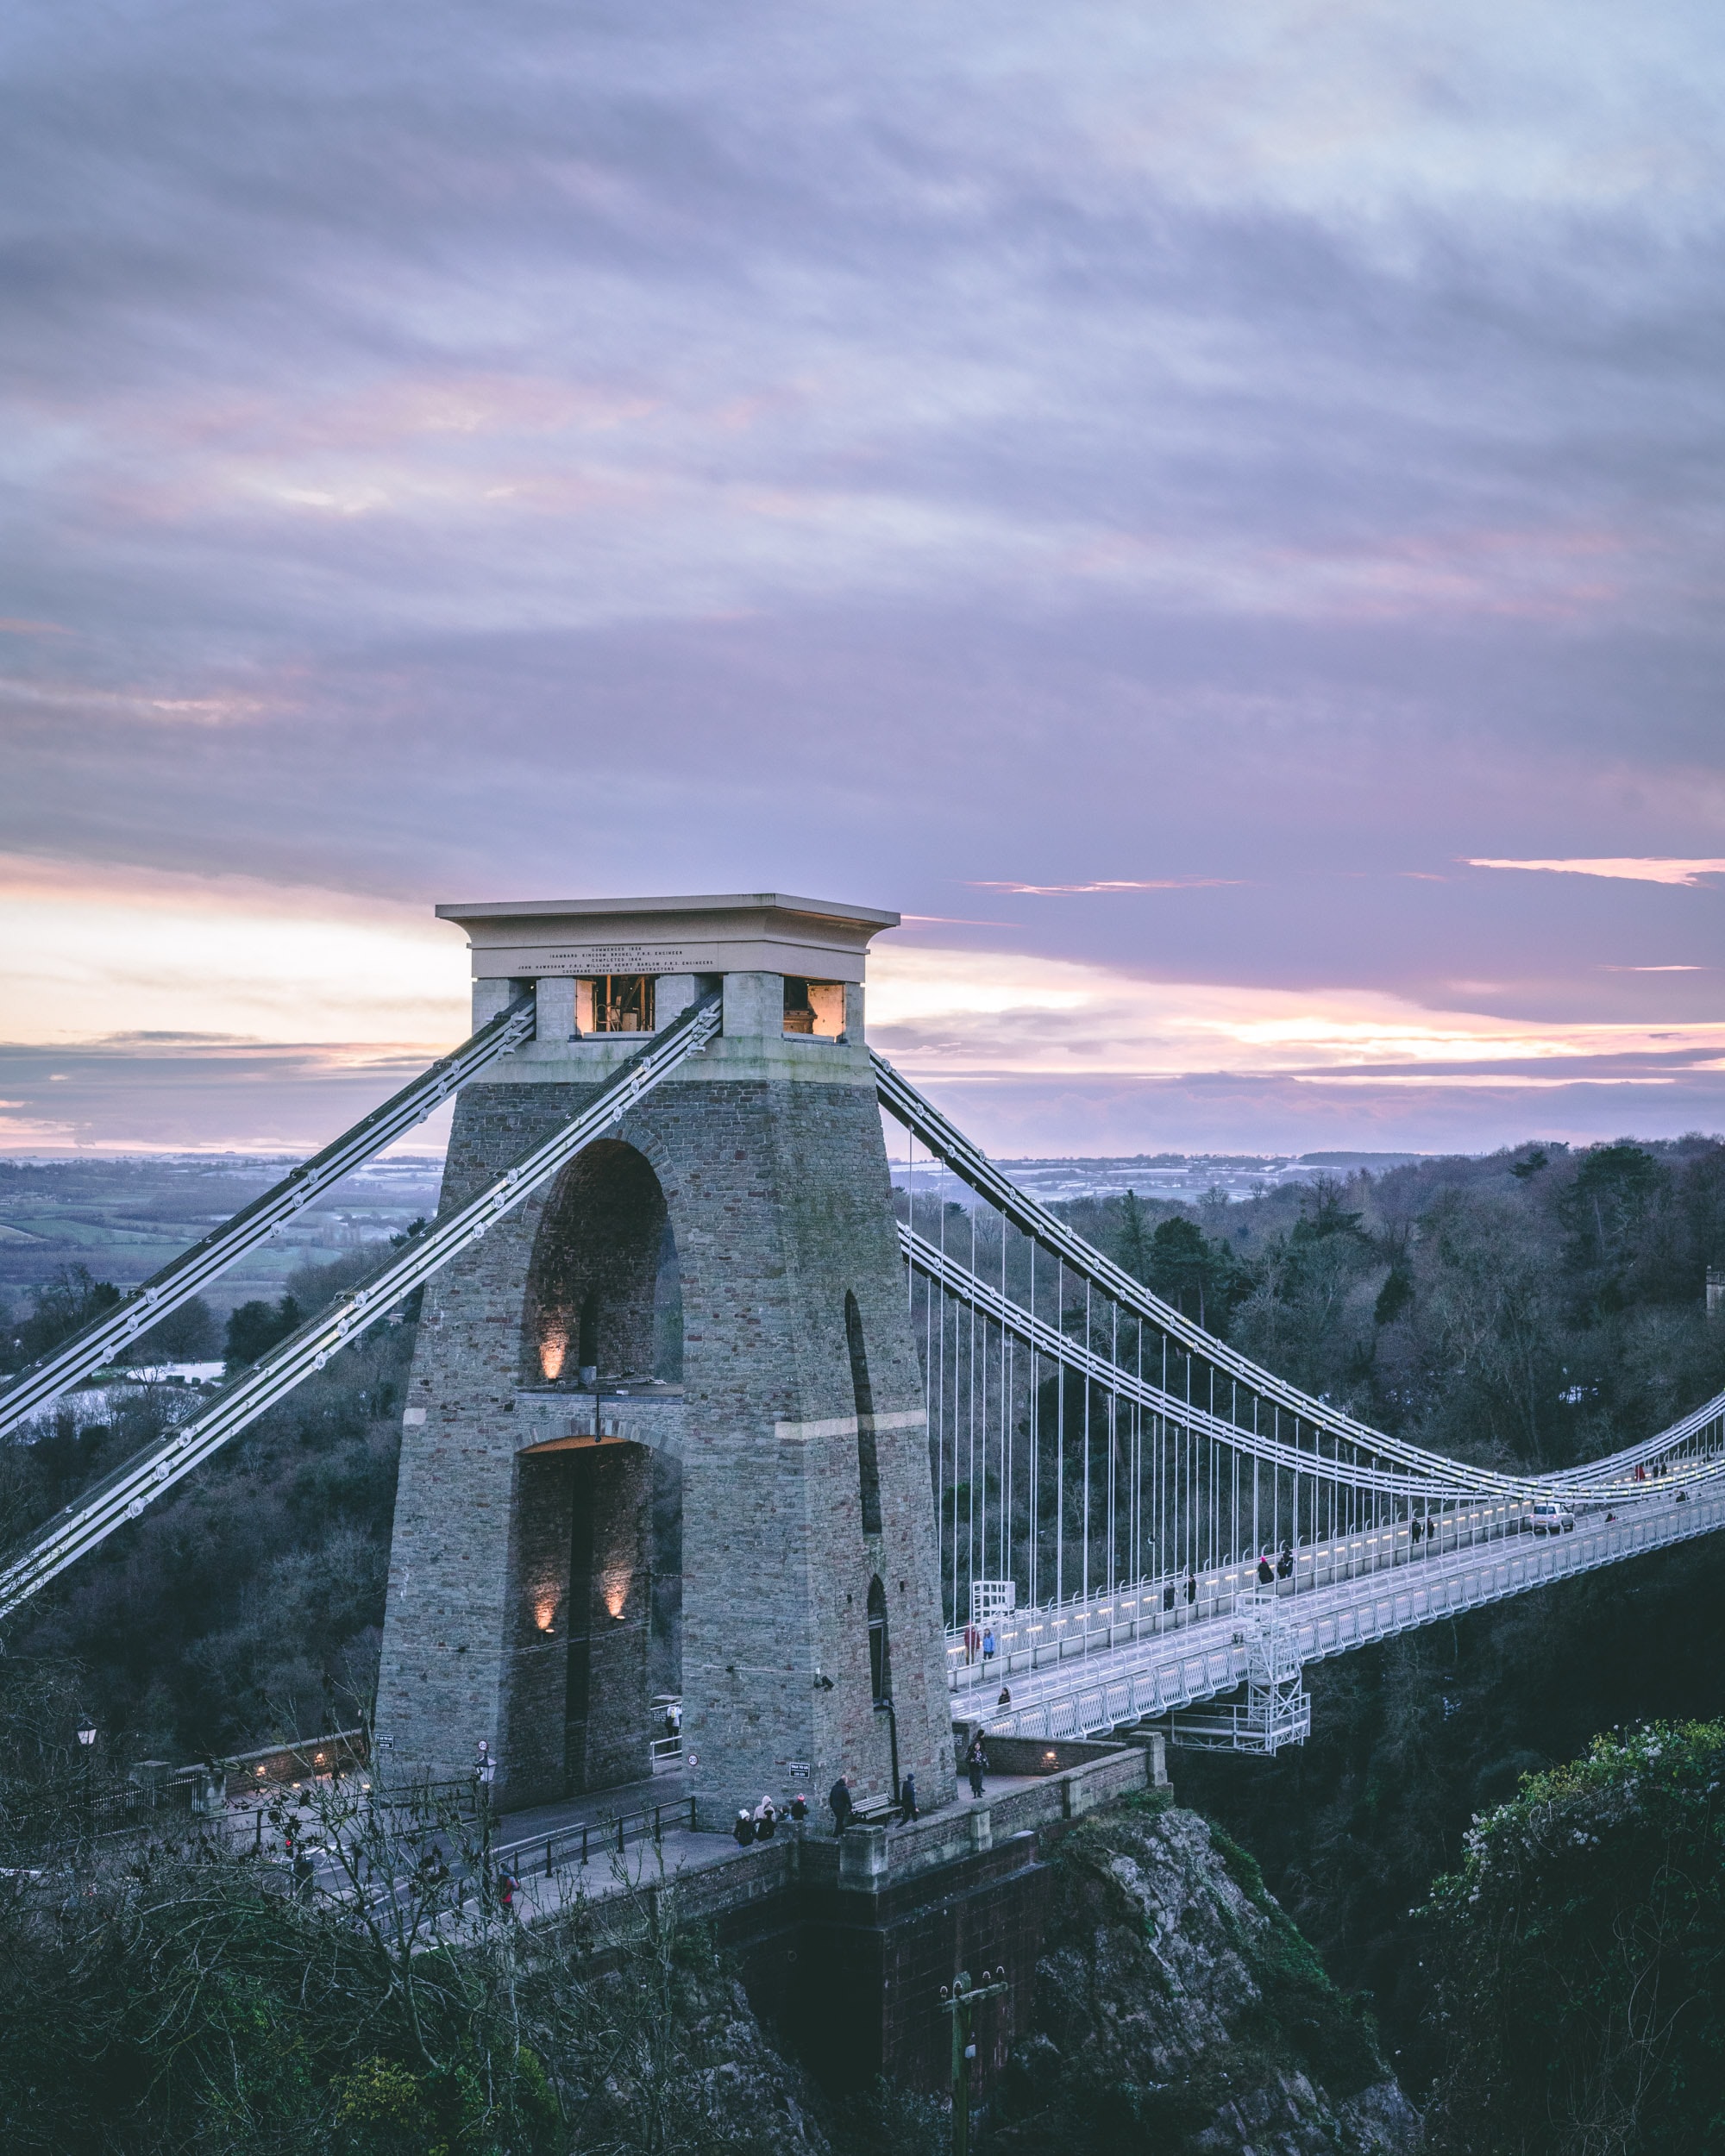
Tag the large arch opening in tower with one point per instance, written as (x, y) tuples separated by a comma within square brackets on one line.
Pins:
[(597, 1530), (603, 1253)]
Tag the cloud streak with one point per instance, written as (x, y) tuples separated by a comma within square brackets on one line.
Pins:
[(946, 1012), (1627, 871), (1086, 890)]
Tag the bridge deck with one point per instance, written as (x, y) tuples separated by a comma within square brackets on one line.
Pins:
[(1201, 1658), (1080, 1627)]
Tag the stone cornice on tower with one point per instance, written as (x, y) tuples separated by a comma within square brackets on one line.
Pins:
[(765, 931)]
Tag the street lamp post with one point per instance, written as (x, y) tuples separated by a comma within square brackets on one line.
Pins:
[(86, 1737), (959, 1999), (885, 1707)]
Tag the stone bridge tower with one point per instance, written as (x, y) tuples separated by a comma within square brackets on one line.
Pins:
[(703, 1319)]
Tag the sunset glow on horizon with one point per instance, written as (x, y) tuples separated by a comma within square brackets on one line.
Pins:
[(1199, 512)]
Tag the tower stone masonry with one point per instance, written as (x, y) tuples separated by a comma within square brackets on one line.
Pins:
[(548, 1418)]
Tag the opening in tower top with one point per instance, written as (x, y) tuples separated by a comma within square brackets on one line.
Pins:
[(814, 1007), (615, 1003)]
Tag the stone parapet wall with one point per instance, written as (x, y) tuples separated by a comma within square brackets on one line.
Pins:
[(344, 1752), (877, 1857)]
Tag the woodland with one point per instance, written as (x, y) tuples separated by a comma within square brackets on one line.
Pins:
[(1504, 1838)]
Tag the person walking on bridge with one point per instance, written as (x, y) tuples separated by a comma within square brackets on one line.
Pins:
[(839, 1798), (1266, 1571), (744, 1829)]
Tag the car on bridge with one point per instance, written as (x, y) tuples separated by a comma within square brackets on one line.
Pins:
[(1549, 1518)]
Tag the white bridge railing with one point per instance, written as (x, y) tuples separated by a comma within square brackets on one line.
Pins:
[(1153, 1677), (1030, 1639)]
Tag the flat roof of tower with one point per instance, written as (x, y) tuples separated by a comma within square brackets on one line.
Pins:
[(727, 902), (746, 931)]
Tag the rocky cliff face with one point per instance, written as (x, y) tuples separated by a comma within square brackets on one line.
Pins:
[(1177, 2007), (1178, 2011)]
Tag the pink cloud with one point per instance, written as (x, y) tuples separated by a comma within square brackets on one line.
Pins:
[(1630, 868)]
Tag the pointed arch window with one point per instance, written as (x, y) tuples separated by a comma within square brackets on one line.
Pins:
[(880, 1654), (868, 1458)]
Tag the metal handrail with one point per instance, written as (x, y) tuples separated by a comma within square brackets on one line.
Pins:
[(606, 1834)]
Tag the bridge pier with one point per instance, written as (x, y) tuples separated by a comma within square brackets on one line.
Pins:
[(846, 1945), (850, 1968)]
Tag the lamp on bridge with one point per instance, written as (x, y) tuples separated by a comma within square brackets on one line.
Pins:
[(86, 1737)]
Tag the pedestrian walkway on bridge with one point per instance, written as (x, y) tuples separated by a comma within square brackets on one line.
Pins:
[(1156, 1676)]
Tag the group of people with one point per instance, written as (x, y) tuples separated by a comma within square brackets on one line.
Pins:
[(762, 1823), (300, 1852), (433, 1872), (981, 1643), (1268, 1573)]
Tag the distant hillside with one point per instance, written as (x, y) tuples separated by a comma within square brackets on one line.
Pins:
[(125, 1218)]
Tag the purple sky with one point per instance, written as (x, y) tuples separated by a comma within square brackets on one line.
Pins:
[(1155, 492)]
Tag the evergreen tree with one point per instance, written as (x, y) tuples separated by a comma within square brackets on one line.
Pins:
[(255, 1327)]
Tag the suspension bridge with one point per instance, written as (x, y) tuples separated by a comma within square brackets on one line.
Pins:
[(1137, 1518), (1090, 1513)]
